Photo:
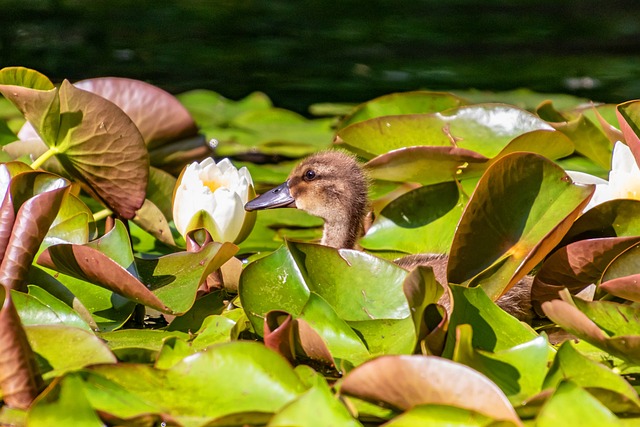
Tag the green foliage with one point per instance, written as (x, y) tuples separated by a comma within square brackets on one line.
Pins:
[(105, 318)]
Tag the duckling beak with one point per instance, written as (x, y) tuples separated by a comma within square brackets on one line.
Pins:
[(279, 197)]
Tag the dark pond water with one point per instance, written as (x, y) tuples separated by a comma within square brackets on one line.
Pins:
[(307, 51)]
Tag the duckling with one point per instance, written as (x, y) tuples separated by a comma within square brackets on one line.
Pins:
[(333, 186)]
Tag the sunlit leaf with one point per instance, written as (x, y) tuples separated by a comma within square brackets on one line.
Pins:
[(64, 403), (422, 220), (611, 389), (444, 416), (406, 381), (262, 382), (402, 103), (483, 128), (571, 405), (52, 343), (521, 208), (519, 371)]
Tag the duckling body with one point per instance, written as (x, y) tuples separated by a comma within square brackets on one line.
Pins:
[(333, 186)]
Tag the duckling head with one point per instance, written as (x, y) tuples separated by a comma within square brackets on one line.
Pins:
[(330, 185)]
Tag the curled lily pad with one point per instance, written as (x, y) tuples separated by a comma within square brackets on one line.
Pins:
[(520, 210), (168, 283), (28, 210), (423, 164), (628, 114), (406, 381), (612, 328), (576, 266), (75, 125), (20, 379)]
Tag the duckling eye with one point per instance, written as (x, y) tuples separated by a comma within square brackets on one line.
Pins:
[(309, 175)]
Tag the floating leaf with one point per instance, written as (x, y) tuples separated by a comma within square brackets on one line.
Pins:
[(571, 405), (419, 221), (333, 291), (483, 128), (521, 208), (423, 164), (614, 218), (406, 381), (262, 382), (52, 344), (402, 103), (611, 389), (519, 371), (64, 403)]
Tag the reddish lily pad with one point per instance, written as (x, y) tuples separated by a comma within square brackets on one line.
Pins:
[(576, 266), (407, 381)]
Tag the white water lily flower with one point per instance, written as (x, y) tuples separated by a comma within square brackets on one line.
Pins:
[(624, 178), (212, 196)]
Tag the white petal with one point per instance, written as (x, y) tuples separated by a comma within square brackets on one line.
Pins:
[(623, 160), (228, 214), (585, 178)]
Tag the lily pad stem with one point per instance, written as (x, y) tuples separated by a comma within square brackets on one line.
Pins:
[(44, 157), (97, 216)]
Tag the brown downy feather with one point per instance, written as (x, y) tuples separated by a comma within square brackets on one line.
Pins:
[(333, 186)]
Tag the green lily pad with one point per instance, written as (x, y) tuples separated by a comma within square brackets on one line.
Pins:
[(319, 400), (402, 103), (39, 307), (348, 297), (571, 405), (444, 416), (610, 388), (494, 330), (261, 382), (51, 343), (483, 128), (519, 371), (519, 211), (63, 403), (422, 220)]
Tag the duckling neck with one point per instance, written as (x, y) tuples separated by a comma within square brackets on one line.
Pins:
[(342, 233)]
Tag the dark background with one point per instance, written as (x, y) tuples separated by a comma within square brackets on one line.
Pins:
[(308, 51)]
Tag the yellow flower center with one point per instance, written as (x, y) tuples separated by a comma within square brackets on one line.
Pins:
[(212, 185)]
